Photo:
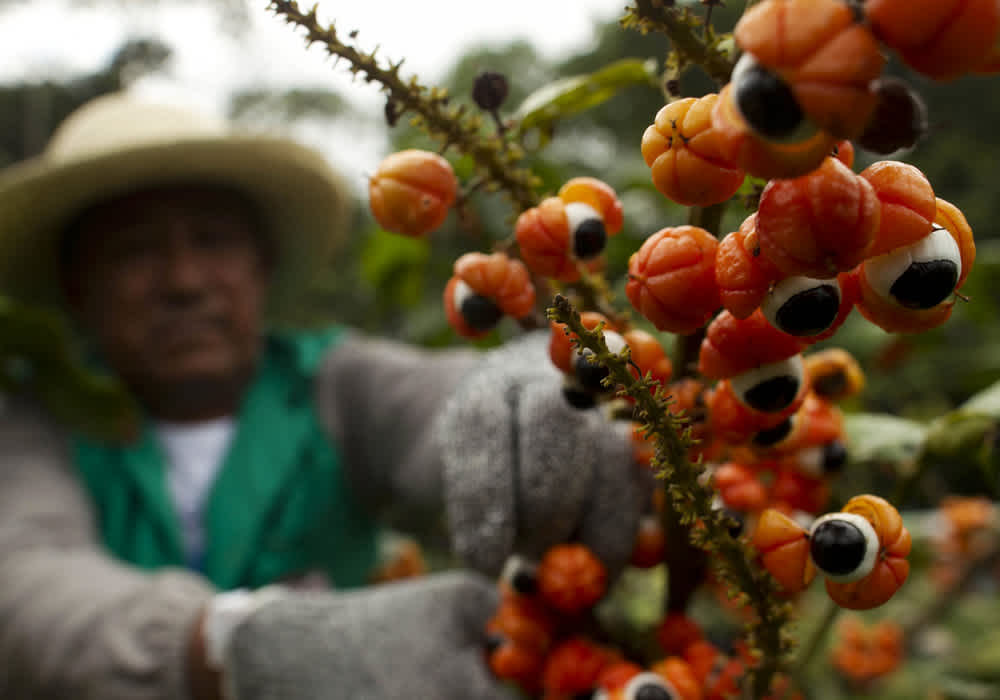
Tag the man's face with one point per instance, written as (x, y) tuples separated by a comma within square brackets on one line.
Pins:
[(171, 281)]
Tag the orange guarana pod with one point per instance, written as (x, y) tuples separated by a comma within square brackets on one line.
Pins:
[(516, 663), (863, 654), (732, 422), (483, 289), (682, 149), (600, 196), (678, 673), (676, 632), (643, 446), (967, 518), (412, 191), (892, 317), (908, 205), (887, 565), (573, 666), (849, 292), (704, 658), (883, 516), (817, 48), (615, 676), (943, 39), (562, 352), (648, 354), (953, 220), (563, 231), (844, 152), (759, 157), (650, 543), (875, 589), (783, 545), (794, 490), (819, 422), (733, 346), (834, 374), (571, 578), (901, 297), (820, 224), (543, 238), (739, 487), (524, 620), (742, 274), (671, 279)]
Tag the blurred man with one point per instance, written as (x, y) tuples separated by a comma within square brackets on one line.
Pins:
[(141, 568)]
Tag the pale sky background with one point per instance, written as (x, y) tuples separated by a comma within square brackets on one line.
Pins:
[(208, 64)]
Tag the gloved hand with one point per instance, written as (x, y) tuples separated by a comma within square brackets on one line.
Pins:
[(421, 638), (524, 470)]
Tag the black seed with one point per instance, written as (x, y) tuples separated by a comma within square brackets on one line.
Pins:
[(837, 547), (590, 374), (772, 436), (767, 103), (899, 120), (772, 395), (584, 695), (524, 582), (737, 521), (493, 642), (578, 398), (834, 456), (480, 312), (490, 90), (925, 284), (809, 312), (653, 692), (831, 384), (589, 239)]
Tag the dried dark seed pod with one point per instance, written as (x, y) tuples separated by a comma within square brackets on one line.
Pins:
[(899, 120), (490, 90)]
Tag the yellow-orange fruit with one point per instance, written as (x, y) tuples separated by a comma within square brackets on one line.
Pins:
[(683, 151), (412, 191)]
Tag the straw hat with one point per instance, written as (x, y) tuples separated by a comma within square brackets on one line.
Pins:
[(115, 144)]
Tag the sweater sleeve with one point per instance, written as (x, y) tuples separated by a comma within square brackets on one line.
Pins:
[(75, 623), (378, 400)]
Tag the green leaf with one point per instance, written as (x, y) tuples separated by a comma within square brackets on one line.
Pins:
[(395, 266), (878, 437), (569, 96)]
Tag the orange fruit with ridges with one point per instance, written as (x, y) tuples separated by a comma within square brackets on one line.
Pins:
[(412, 191), (682, 149), (820, 224), (671, 279)]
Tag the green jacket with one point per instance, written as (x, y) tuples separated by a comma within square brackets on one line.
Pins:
[(280, 505)]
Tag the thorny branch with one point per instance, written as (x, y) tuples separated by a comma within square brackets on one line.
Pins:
[(734, 559), (497, 160), (691, 40)]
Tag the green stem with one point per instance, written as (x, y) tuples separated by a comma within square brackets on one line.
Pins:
[(816, 640), (708, 218)]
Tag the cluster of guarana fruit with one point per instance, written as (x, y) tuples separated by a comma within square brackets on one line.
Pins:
[(824, 240)]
